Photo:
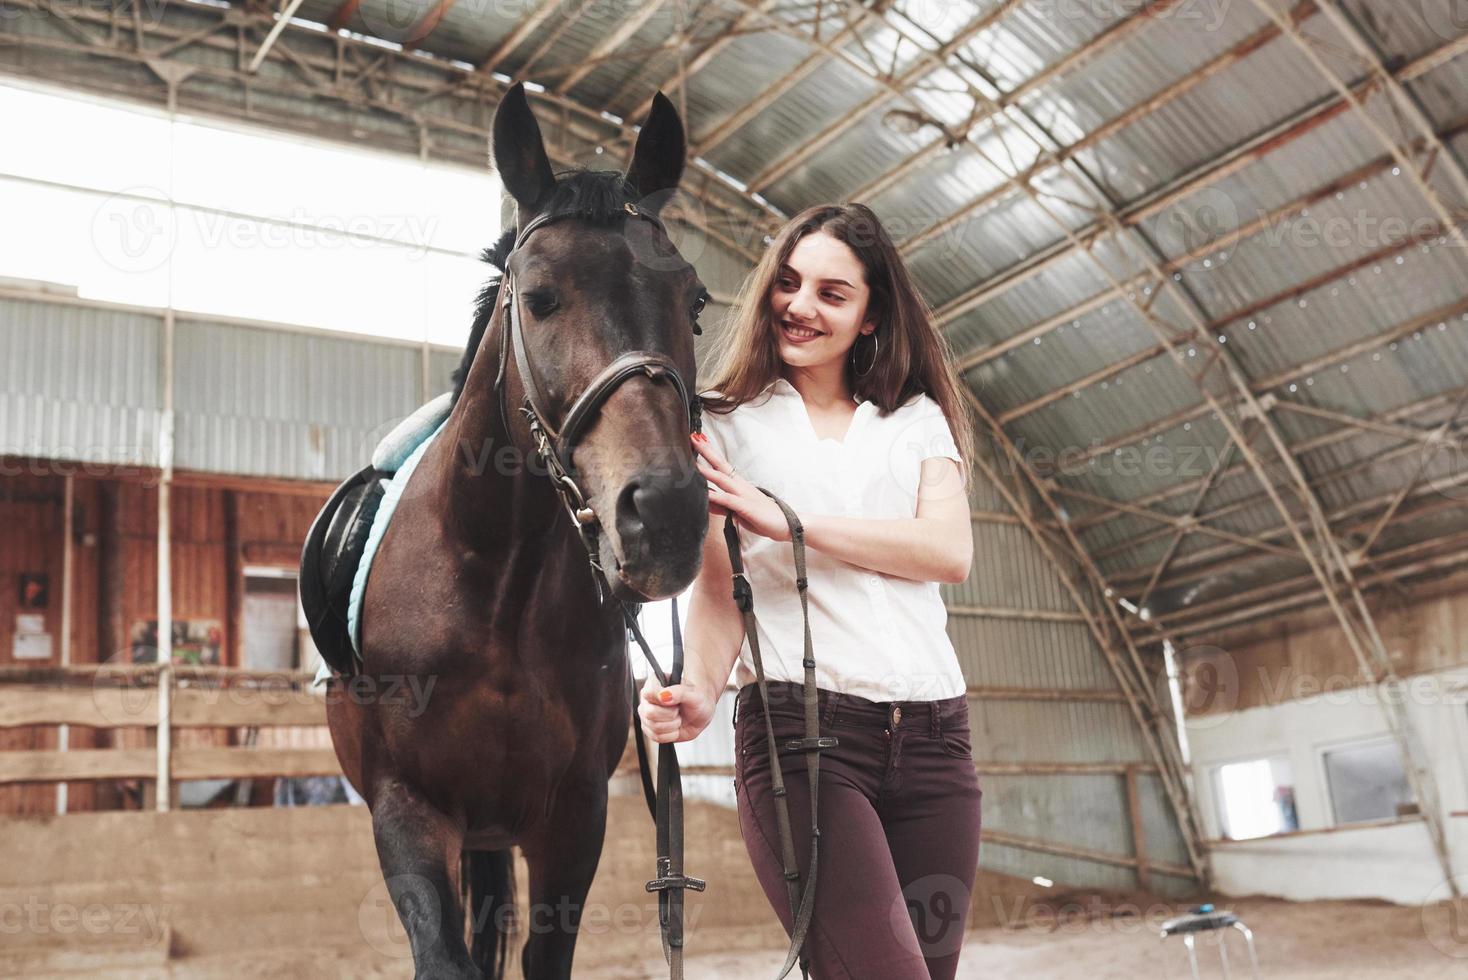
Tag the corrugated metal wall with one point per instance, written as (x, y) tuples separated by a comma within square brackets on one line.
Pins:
[(276, 403), (79, 383), (1082, 811), (83, 380)]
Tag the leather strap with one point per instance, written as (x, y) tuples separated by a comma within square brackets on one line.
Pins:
[(802, 899), (554, 447), (667, 809)]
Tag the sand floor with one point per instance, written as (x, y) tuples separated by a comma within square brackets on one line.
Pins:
[(1335, 940)]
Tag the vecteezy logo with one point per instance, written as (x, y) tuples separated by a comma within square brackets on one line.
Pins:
[(135, 230), (400, 21), (122, 698), (1448, 19), (380, 918), (1190, 230), (932, 909), (1209, 678), (1445, 918)]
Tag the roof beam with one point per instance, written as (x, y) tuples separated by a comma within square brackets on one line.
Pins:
[(1403, 102), (1204, 175), (419, 32), (567, 22), (1221, 325), (1244, 607), (679, 79), (623, 33), (1211, 561), (705, 142), (930, 61), (343, 14), (1330, 565), (1106, 628), (516, 37), (409, 101), (1182, 531), (1335, 437), (1227, 240), (1183, 523), (1166, 96)]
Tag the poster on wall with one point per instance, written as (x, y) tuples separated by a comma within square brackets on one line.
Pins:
[(35, 590), (30, 640), (195, 641)]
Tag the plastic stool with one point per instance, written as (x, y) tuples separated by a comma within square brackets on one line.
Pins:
[(1205, 918)]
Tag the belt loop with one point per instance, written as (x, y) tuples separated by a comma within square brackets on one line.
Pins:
[(830, 716), (937, 716)]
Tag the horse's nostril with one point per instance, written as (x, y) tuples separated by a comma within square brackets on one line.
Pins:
[(652, 504), (631, 504)]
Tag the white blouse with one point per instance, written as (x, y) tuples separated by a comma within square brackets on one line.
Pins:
[(875, 635)]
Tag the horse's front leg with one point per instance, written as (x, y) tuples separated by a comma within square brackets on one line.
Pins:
[(418, 849), (562, 859)]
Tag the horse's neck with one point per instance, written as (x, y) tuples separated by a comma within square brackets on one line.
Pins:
[(496, 492)]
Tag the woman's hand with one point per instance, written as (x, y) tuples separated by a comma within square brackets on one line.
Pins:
[(677, 713), (732, 494)]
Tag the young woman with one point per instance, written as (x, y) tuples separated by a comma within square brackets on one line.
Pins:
[(833, 389)]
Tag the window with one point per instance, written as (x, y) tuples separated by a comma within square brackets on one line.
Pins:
[(1367, 782), (270, 635), (1255, 798)]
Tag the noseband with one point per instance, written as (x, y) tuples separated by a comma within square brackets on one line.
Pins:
[(555, 448)]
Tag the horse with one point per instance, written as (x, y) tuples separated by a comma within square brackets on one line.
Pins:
[(481, 581)]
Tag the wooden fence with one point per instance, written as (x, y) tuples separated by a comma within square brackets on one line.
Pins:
[(162, 701)]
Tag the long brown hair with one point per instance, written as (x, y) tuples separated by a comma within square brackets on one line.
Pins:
[(912, 355)]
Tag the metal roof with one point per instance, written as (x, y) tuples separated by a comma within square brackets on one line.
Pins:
[(1192, 258)]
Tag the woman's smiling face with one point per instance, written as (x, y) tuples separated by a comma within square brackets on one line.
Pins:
[(820, 294)]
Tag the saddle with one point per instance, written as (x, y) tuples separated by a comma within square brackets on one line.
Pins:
[(329, 560), (339, 537)]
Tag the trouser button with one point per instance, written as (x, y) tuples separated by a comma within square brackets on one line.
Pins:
[(896, 715)]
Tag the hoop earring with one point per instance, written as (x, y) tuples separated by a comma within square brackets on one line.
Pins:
[(876, 345)]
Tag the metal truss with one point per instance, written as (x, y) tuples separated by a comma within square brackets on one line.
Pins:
[(1221, 381), (433, 107), (1093, 600)]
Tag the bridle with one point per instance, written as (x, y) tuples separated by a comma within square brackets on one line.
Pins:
[(553, 448)]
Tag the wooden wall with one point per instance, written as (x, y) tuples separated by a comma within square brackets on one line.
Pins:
[(1424, 627), (218, 528)]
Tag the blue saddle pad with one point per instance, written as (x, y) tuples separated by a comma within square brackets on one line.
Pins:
[(392, 493)]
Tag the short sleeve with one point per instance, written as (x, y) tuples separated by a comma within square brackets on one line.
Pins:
[(935, 434)]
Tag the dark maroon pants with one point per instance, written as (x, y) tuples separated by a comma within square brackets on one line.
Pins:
[(899, 820)]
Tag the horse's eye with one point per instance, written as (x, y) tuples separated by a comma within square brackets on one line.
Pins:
[(698, 305), (540, 304)]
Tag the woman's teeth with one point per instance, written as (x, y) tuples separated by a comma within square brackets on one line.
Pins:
[(800, 331)]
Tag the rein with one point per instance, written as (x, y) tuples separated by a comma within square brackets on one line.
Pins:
[(553, 449)]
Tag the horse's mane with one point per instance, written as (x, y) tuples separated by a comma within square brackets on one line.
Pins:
[(595, 196)]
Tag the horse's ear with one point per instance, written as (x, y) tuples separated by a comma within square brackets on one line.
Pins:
[(657, 161), (519, 151)]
